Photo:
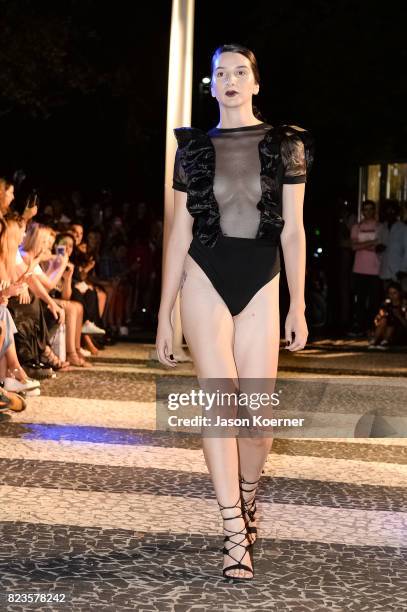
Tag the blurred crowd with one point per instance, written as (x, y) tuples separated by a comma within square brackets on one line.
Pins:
[(372, 273), (73, 278)]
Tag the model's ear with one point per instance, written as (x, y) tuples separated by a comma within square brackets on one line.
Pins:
[(256, 89)]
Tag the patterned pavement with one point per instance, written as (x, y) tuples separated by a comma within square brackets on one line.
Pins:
[(100, 512)]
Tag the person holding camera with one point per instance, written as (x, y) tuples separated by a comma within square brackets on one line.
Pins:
[(38, 315), (391, 320), (74, 310)]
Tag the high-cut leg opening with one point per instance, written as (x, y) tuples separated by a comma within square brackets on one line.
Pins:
[(237, 270)]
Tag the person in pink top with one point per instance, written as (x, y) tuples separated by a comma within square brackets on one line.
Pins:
[(366, 283)]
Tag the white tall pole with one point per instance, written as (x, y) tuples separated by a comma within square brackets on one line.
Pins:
[(179, 105)]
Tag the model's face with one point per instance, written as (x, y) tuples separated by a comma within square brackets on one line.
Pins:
[(233, 83), (77, 231)]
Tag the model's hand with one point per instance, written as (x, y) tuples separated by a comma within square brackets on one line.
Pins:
[(296, 323), (163, 343)]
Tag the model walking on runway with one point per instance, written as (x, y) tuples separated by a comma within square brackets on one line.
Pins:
[(238, 195)]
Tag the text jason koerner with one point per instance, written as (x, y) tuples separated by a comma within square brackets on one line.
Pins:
[(202, 398), (254, 421)]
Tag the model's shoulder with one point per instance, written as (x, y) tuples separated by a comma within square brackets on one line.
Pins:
[(185, 134)]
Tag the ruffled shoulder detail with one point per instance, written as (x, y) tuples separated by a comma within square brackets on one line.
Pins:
[(197, 157), (184, 135), (286, 155), (297, 150), (271, 222)]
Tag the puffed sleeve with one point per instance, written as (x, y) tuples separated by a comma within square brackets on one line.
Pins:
[(179, 179), (297, 152)]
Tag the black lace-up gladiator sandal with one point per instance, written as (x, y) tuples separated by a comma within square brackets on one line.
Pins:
[(249, 505), (240, 537)]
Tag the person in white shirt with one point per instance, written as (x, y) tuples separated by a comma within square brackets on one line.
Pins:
[(392, 239)]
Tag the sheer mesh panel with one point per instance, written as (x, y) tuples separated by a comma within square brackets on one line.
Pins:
[(293, 155), (237, 178), (237, 185)]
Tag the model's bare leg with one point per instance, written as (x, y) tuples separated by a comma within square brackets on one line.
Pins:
[(256, 348), (208, 329)]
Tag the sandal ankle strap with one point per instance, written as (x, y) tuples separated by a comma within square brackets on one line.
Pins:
[(249, 505), (242, 481)]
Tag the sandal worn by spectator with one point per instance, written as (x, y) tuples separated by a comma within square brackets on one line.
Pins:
[(38, 371), (89, 345), (76, 360), (11, 401), (49, 358)]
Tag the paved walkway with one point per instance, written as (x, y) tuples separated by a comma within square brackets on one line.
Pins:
[(102, 511)]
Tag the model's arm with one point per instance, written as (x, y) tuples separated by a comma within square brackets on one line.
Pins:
[(293, 245), (179, 239)]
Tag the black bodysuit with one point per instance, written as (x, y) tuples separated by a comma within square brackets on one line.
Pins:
[(234, 180)]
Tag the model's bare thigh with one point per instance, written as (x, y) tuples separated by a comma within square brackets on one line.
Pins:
[(207, 324), (257, 334)]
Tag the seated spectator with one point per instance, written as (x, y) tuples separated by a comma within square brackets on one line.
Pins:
[(83, 291), (76, 229), (6, 195), (35, 323), (62, 295), (105, 288), (391, 320), (12, 375), (115, 271)]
